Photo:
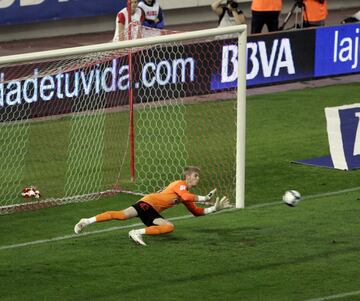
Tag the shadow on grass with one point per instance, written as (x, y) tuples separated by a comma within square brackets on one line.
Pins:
[(237, 269), (241, 236)]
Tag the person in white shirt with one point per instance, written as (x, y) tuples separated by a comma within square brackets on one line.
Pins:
[(153, 14), (228, 14), (124, 29)]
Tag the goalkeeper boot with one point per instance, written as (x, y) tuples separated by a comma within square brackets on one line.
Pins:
[(80, 225), (136, 237)]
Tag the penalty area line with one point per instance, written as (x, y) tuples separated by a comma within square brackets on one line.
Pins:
[(65, 237), (338, 296), (71, 236)]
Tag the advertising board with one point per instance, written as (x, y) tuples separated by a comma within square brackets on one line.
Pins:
[(173, 71), (337, 50), (29, 11)]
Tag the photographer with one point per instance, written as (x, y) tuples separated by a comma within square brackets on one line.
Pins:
[(315, 13), (265, 12), (229, 14)]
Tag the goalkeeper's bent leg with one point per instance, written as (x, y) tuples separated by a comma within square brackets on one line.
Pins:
[(160, 229), (136, 235)]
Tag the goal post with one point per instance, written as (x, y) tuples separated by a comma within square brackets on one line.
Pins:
[(241, 123), (64, 117)]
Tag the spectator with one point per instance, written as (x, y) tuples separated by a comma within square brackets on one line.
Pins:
[(228, 14), (123, 28), (153, 14), (315, 13), (265, 12)]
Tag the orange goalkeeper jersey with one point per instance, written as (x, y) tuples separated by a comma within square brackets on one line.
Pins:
[(177, 192)]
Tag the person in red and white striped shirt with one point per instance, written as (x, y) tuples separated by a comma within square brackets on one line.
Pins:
[(153, 14), (124, 29)]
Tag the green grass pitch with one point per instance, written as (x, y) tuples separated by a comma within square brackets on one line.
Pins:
[(269, 252)]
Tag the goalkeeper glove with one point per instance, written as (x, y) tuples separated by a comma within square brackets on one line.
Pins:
[(220, 204), (206, 197)]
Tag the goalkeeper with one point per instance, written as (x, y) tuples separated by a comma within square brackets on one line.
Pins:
[(148, 208)]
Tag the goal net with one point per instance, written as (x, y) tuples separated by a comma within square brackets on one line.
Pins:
[(85, 122)]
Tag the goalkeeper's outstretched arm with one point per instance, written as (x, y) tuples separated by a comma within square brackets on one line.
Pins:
[(220, 204), (203, 199)]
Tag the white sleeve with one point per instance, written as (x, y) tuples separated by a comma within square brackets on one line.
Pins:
[(209, 210)]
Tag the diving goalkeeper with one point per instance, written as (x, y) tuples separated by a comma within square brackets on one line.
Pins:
[(148, 208)]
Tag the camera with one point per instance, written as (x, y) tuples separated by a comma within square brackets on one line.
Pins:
[(232, 3)]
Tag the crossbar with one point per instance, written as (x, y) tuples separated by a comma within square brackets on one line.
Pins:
[(72, 51)]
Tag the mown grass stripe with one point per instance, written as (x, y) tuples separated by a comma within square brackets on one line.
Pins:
[(44, 241)]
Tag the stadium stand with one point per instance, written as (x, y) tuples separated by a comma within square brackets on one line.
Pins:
[(20, 39)]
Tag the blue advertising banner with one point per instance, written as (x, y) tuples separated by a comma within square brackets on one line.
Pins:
[(271, 58), (344, 135), (183, 70), (28, 11), (350, 135), (343, 129), (337, 50)]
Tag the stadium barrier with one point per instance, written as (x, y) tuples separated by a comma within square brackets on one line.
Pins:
[(177, 12), (31, 11), (271, 59)]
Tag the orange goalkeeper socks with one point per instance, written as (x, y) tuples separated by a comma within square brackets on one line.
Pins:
[(161, 229), (109, 215)]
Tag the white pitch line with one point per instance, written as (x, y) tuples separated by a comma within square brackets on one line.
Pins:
[(44, 241), (338, 296)]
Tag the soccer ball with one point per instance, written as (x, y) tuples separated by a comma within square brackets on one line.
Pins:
[(291, 198)]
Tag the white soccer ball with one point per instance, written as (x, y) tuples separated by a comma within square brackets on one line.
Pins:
[(291, 197)]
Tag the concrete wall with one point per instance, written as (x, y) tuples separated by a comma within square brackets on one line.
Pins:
[(176, 13), (186, 11)]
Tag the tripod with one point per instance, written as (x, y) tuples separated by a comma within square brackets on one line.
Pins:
[(299, 10)]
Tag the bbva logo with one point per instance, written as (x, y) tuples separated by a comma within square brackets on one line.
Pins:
[(8, 3), (261, 61)]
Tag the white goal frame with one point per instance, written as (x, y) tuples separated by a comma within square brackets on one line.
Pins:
[(241, 30)]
